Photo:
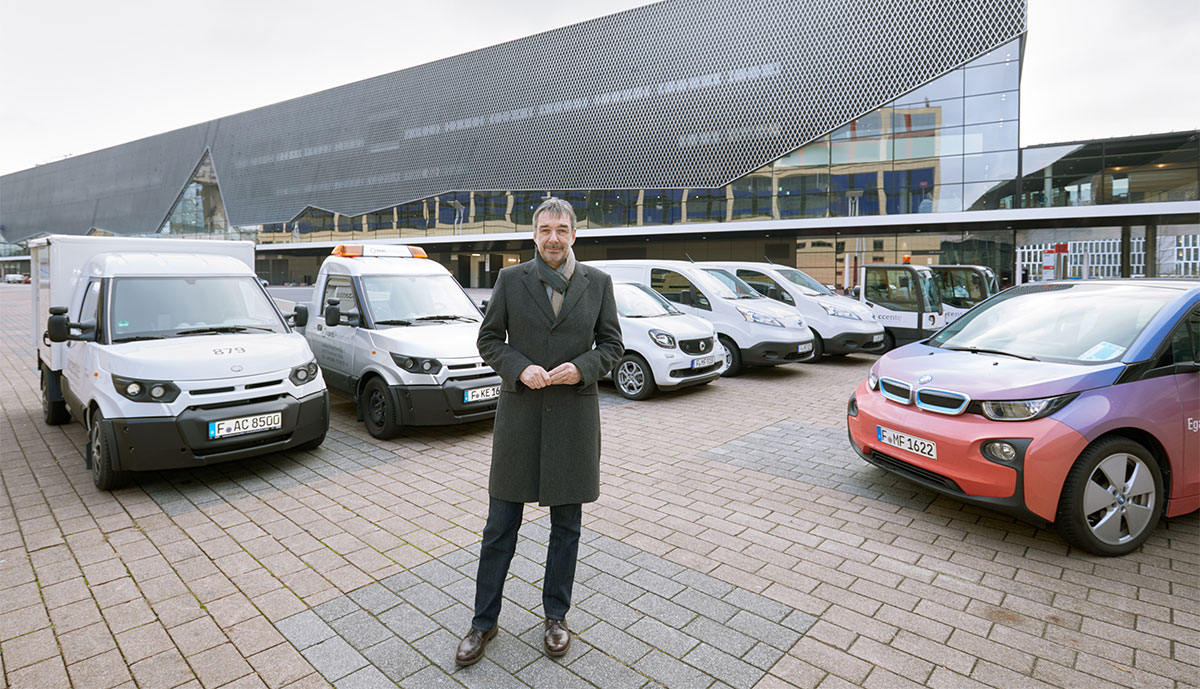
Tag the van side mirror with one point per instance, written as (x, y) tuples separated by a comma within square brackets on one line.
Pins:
[(483, 305), (854, 291), (58, 328), (300, 316), (685, 297), (773, 293), (333, 315)]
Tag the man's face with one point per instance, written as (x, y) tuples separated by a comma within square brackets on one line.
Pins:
[(553, 237)]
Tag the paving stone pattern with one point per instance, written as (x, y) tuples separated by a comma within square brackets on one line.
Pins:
[(820, 456), (727, 513), (639, 621)]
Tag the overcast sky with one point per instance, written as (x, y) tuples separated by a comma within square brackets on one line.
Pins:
[(79, 76)]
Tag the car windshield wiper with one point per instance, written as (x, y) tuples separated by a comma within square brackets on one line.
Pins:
[(217, 329), (394, 321), (139, 338), (977, 350), (451, 317)]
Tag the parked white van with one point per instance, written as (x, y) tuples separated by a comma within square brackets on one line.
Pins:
[(754, 330), (840, 325), (170, 353), (398, 336), (665, 348)]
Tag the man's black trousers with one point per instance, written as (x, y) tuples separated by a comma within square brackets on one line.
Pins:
[(496, 553)]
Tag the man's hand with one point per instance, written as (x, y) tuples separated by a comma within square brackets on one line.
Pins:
[(535, 377), (565, 374)]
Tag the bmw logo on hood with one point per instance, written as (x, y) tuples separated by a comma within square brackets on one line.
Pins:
[(924, 379)]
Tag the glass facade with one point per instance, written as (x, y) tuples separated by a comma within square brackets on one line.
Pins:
[(950, 145), (199, 209)]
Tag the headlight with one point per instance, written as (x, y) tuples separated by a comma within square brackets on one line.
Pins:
[(302, 375), (872, 381), (1025, 410), (663, 339), (840, 312), (416, 364), (761, 319), (145, 390)]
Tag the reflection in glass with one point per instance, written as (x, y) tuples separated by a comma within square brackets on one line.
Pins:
[(662, 207), (997, 136), (314, 220), (803, 195), (1047, 191), (380, 220), (612, 208), (990, 166), (992, 107), (943, 113), (524, 204), (946, 86), (981, 196), (706, 205), (999, 77), (810, 155), (854, 194), (752, 197), (929, 143), (1146, 186), (200, 208)]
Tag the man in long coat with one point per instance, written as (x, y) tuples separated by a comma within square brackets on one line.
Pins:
[(551, 331)]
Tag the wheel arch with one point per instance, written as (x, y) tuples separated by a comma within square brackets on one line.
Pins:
[(1156, 449)]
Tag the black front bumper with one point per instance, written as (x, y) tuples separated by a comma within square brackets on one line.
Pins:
[(442, 405), (773, 353), (1013, 506), (849, 343), (180, 442)]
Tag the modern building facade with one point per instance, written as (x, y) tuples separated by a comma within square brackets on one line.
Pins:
[(687, 128)]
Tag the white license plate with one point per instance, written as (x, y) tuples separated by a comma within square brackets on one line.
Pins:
[(915, 445), (479, 394), (245, 424), (877, 338), (804, 348), (704, 361)]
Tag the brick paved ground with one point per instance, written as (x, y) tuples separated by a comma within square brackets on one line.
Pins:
[(737, 543)]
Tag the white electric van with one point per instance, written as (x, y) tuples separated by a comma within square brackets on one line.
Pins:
[(904, 298), (962, 287), (840, 325), (170, 353), (665, 348), (398, 336), (754, 330)]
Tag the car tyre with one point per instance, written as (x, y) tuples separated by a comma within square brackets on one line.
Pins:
[(100, 456), (818, 350), (633, 377), (733, 356), (1112, 498), (379, 410), (54, 413), (889, 342)]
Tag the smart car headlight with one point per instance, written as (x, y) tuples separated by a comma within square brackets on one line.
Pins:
[(416, 364), (662, 338), (840, 312), (304, 374), (760, 318), (872, 380), (1025, 410), (145, 390)]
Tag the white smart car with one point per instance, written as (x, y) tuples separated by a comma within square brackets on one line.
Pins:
[(664, 347)]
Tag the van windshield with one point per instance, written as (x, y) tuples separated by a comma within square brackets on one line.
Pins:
[(803, 280), (157, 307), (733, 287), (412, 299), (639, 301), (1072, 323)]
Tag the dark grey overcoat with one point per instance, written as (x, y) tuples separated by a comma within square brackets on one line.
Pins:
[(546, 443)]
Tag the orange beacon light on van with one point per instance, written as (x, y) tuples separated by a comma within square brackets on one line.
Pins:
[(381, 250)]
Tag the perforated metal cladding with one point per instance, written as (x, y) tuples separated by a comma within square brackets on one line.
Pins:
[(679, 94)]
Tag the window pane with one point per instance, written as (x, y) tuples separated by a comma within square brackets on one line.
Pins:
[(811, 155), (752, 197), (661, 207), (998, 136), (803, 195), (980, 196), (1008, 51), (946, 86), (854, 194), (1142, 186), (990, 166), (706, 205), (992, 78), (921, 116), (992, 107), (1046, 192), (929, 144)]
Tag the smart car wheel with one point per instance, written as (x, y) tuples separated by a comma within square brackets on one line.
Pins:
[(100, 457), (633, 377), (733, 356), (379, 411), (1112, 498)]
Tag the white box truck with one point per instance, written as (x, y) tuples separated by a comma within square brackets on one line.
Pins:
[(170, 353)]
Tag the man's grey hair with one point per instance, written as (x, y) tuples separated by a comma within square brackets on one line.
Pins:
[(556, 207)]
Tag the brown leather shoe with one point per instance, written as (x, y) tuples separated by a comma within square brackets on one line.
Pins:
[(557, 639), (470, 649)]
